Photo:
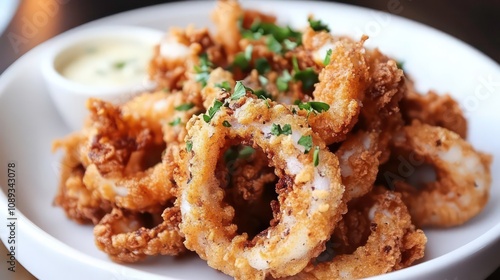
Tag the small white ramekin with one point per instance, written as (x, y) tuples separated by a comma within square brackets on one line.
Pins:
[(70, 96)]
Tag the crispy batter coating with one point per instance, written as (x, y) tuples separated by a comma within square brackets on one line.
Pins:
[(463, 180), (434, 109), (294, 236), (393, 243), (130, 236), (358, 156), (342, 85), (78, 202)]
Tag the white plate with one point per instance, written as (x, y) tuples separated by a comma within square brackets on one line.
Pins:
[(52, 247)]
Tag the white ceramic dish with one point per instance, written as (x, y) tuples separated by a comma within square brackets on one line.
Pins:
[(52, 247), (69, 96)]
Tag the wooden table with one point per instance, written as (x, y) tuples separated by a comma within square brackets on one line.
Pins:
[(475, 22)]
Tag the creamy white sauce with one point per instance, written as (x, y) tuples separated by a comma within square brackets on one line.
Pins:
[(110, 63)]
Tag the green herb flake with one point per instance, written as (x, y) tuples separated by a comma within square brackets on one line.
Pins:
[(273, 44), (277, 130), (265, 100), (189, 146), (263, 80), (308, 77), (239, 91), (328, 57), (306, 142), (315, 107), (319, 107), (184, 107), (203, 70), (283, 80), (262, 65), (258, 29), (175, 122), (318, 25), (289, 45), (262, 94), (224, 85), (248, 52), (237, 152), (295, 64), (400, 64), (240, 61), (119, 64), (316, 156), (245, 152), (211, 112), (226, 124)]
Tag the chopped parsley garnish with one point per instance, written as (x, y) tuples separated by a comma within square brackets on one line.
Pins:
[(242, 59), (165, 89), (239, 91), (400, 64), (308, 77), (262, 65), (283, 80), (289, 45), (184, 107), (328, 57), (306, 142), (237, 152), (316, 156), (246, 152), (318, 25), (273, 44), (189, 145), (278, 38), (277, 130), (226, 124), (262, 94), (265, 100), (119, 64), (315, 107), (175, 122), (211, 112), (224, 85), (263, 80), (278, 32), (203, 70)]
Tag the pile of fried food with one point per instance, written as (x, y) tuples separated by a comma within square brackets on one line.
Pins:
[(273, 153)]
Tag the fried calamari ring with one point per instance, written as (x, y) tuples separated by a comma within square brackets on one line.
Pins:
[(342, 85), (130, 236), (78, 202), (393, 243), (463, 181), (121, 136), (295, 236)]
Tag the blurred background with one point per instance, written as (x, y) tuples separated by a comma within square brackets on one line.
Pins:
[(476, 22)]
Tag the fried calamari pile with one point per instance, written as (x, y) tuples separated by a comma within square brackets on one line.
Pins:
[(272, 153)]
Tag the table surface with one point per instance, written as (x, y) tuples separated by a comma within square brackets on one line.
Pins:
[(475, 22)]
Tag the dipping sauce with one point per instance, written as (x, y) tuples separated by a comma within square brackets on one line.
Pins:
[(109, 63)]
